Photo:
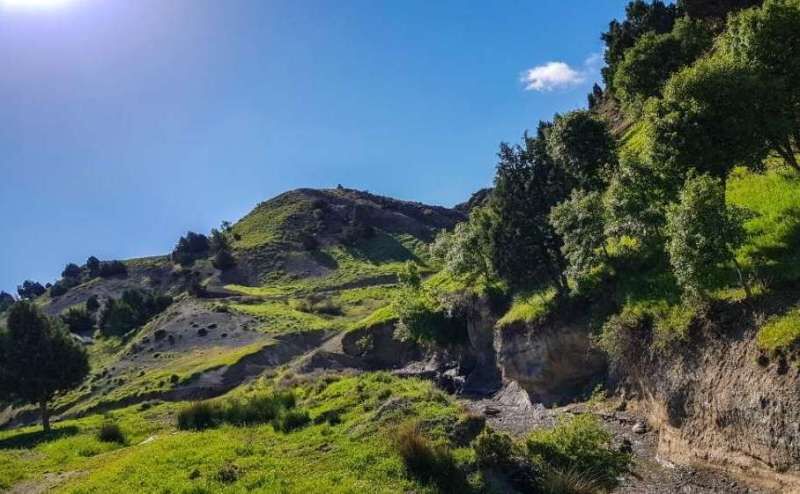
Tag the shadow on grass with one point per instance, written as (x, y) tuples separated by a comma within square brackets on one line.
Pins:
[(28, 440), (382, 248)]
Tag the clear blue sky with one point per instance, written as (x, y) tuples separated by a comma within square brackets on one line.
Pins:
[(123, 123)]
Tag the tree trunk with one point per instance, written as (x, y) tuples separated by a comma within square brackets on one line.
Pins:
[(788, 156), (742, 279), (45, 415)]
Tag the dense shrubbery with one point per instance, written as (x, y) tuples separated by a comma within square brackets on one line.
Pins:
[(428, 461), (78, 320), (29, 290), (110, 432), (189, 248), (132, 310), (6, 301)]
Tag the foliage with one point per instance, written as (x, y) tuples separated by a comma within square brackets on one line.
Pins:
[(524, 249), (641, 18), (108, 269), (224, 260), (466, 250), (6, 301), (93, 266), (582, 146), (715, 9), (39, 358), (189, 248), (649, 63), (29, 290), (426, 319), (92, 304), (702, 232), (427, 461), (276, 407), (580, 444), (110, 432), (132, 310), (71, 271), (780, 332), (580, 223), (529, 307), (78, 319), (765, 41)]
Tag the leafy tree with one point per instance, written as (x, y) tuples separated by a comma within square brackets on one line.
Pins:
[(647, 65), (223, 260), (640, 18), (59, 288), (582, 145), (703, 232), (715, 9), (78, 320), (29, 290), (93, 266), (92, 304), (72, 271), (39, 359), (579, 222), (218, 241), (189, 248), (523, 248), (6, 301), (132, 310), (713, 117), (112, 268), (466, 250), (766, 41)]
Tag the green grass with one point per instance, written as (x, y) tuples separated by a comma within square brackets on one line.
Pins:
[(355, 454), (279, 317), (528, 307), (381, 316), (266, 224), (780, 332)]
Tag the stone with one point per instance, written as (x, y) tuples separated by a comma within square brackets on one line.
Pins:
[(639, 428)]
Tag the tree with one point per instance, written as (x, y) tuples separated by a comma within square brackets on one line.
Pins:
[(189, 248), (466, 250), (39, 359), (218, 241), (92, 304), (647, 65), (78, 320), (766, 41), (132, 310), (524, 249), (579, 222), (224, 260), (640, 18), (702, 233), (93, 266), (71, 271), (582, 145), (715, 9), (713, 117), (30, 289), (6, 301), (112, 268)]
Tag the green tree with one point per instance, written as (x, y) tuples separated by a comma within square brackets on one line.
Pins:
[(579, 222), (523, 248), (466, 250), (583, 147), (29, 290), (649, 63), (39, 359), (72, 271), (78, 320), (713, 117), (6, 301), (703, 233), (714, 9), (766, 40)]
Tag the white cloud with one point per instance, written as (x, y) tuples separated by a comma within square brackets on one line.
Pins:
[(550, 76)]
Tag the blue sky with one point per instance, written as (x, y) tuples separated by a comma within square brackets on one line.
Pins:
[(124, 123)]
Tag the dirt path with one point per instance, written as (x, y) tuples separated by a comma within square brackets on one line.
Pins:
[(510, 411)]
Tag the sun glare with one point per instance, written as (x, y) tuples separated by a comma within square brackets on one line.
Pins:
[(34, 4)]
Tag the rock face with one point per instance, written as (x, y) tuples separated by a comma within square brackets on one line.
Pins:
[(716, 401), (552, 363), (379, 346)]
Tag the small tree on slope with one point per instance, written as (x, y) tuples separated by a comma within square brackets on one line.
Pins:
[(38, 359), (703, 233)]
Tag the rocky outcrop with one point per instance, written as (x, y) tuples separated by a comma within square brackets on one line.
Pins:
[(380, 347), (551, 362), (716, 401)]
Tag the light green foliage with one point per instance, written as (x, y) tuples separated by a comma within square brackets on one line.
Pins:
[(634, 205), (703, 233), (580, 222), (582, 146), (465, 250), (654, 57), (780, 332), (529, 307)]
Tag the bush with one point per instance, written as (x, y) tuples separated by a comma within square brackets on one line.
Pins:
[(71, 271), (277, 408), (579, 445), (199, 416), (291, 420), (133, 309), (78, 320), (6, 301), (110, 432), (92, 304), (30, 289), (427, 461), (189, 248), (58, 289), (223, 260), (426, 320)]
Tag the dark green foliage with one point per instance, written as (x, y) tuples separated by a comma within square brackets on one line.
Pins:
[(766, 42), (428, 321), (92, 304), (39, 358), (580, 445), (78, 320), (712, 117), (277, 408), (715, 9), (93, 266), (6, 301), (703, 232), (29, 290), (132, 310), (110, 432), (523, 248), (649, 63), (581, 145), (108, 269), (641, 17), (224, 260), (59, 288), (190, 247), (218, 241), (72, 271), (580, 222), (635, 204), (467, 249)]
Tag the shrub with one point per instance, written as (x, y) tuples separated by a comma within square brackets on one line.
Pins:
[(6, 301), (112, 268), (579, 445), (223, 260), (493, 450), (58, 288), (227, 473), (427, 461), (78, 320), (199, 416), (92, 304), (30, 289), (277, 407), (189, 248), (72, 271), (133, 309), (291, 420), (110, 432), (426, 320)]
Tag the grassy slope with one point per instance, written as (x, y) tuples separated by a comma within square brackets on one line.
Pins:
[(353, 456)]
